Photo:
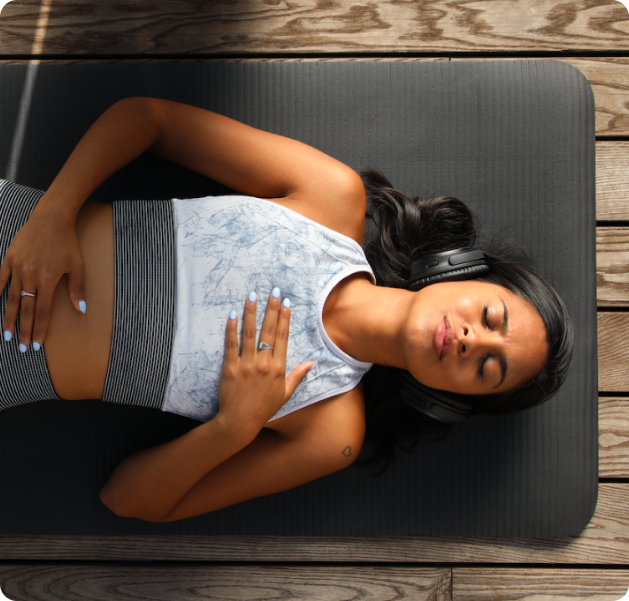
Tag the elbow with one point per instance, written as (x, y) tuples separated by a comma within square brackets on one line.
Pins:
[(142, 110), (119, 507), (114, 503)]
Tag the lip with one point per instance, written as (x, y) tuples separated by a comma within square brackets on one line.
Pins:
[(442, 341)]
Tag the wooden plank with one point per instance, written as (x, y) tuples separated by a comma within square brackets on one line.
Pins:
[(115, 583), (613, 352), (609, 78), (249, 59), (612, 266), (526, 584), (612, 180), (603, 541), (312, 26), (613, 449)]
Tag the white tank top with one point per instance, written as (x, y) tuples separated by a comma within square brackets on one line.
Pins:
[(229, 246)]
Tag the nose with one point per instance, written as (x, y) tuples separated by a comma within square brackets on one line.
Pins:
[(478, 340)]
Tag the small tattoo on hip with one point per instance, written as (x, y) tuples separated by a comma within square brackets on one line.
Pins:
[(347, 451)]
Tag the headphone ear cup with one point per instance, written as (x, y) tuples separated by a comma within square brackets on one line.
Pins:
[(446, 407), (456, 275)]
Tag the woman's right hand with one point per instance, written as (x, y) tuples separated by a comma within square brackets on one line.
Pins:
[(43, 250)]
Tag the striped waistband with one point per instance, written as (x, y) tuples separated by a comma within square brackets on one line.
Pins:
[(144, 303)]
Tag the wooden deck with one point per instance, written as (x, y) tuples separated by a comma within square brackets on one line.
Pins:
[(592, 35)]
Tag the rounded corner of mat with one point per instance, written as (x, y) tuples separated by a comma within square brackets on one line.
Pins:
[(579, 518)]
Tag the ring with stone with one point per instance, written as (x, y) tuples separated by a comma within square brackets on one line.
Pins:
[(263, 346)]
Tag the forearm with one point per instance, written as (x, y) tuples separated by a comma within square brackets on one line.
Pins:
[(149, 484), (120, 135)]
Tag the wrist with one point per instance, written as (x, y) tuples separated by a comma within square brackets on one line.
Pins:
[(237, 428), (58, 209)]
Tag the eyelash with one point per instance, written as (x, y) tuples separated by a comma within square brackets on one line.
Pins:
[(486, 357)]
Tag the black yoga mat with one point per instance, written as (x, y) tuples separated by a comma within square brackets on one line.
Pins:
[(513, 139)]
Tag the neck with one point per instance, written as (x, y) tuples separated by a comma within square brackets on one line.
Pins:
[(368, 322)]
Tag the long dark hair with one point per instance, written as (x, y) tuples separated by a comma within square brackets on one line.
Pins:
[(403, 229)]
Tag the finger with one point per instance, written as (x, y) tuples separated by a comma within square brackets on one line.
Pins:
[(76, 286), (249, 328), (5, 274), (231, 338), (43, 308), (12, 307), (296, 376), (269, 326), (27, 316), (281, 336)]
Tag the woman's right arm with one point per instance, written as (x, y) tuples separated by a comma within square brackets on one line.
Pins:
[(250, 160), (244, 158)]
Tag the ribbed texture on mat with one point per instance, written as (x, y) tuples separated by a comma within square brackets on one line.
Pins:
[(24, 377), (144, 303)]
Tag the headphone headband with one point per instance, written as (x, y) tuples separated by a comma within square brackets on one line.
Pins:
[(449, 266)]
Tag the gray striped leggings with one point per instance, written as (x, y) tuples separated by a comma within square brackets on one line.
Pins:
[(144, 306)]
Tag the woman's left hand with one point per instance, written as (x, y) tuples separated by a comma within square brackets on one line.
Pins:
[(254, 384)]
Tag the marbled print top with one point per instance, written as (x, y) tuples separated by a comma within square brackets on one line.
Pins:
[(229, 246)]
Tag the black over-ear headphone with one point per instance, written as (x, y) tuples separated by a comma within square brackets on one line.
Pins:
[(448, 266), (446, 407)]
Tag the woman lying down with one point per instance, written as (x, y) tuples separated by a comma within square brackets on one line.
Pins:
[(185, 306)]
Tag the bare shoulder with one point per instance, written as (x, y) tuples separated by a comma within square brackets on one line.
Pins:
[(334, 426), (335, 199)]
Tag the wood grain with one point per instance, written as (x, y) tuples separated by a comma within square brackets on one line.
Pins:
[(613, 352), (613, 440), (603, 541), (609, 78), (612, 266), (285, 583), (315, 26), (526, 584), (612, 180)]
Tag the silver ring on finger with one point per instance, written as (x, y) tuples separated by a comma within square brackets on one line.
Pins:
[(263, 346), (27, 294)]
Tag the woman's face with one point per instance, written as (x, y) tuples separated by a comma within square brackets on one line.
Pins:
[(473, 337)]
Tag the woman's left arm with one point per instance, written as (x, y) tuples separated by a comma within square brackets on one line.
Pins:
[(169, 481), (199, 473), (274, 462)]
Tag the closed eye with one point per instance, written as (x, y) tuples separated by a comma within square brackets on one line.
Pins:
[(486, 317), (482, 366)]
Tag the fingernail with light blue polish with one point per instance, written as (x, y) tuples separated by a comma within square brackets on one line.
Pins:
[(276, 292), (82, 306), (252, 297), (232, 315), (8, 335), (36, 346), (22, 348), (286, 303)]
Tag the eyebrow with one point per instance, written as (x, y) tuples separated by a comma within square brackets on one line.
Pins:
[(504, 326)]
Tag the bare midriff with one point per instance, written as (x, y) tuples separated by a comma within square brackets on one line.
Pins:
[(77, 345)]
